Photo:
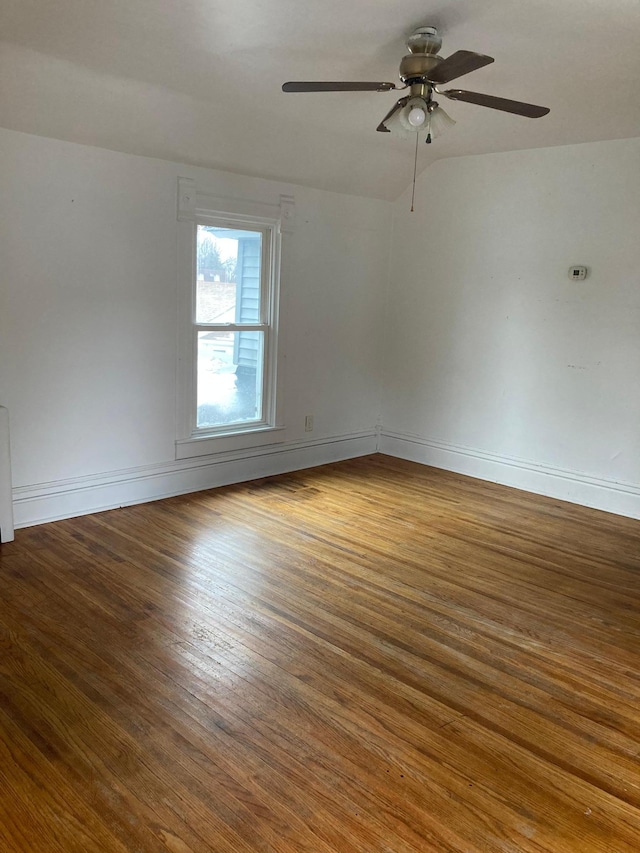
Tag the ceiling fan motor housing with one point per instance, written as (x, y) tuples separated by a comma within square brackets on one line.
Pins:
[(424, 40), (423, 44)]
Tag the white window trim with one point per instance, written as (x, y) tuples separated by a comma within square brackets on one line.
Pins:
[(200, 209)]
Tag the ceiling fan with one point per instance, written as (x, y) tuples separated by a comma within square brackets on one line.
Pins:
[(421, 71)]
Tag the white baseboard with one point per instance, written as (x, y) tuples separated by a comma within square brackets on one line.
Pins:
[(81, 496), (608, 495), (68, 498)]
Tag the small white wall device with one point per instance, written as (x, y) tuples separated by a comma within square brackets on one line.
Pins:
[(577, 273)]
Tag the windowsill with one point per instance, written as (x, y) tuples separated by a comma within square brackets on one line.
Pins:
[(208, 445)]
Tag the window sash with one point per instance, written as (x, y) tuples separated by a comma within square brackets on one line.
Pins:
[(267, 263)]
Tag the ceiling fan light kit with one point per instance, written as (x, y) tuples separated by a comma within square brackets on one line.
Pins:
[(429, 121)]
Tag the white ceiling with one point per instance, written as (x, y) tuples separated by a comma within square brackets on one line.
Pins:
[(198, 81)]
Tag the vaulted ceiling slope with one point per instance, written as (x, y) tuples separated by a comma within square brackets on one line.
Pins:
[(198, 81)]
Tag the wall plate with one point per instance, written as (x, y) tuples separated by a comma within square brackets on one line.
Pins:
[(577, 273)]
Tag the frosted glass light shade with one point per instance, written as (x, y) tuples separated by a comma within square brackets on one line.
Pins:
[(440, 122)]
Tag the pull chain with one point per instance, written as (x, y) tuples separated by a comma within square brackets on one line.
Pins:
[(415, 167)]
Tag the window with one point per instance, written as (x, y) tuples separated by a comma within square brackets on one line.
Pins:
[(228, 340)]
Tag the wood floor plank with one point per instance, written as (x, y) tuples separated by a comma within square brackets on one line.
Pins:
[(368, 656)]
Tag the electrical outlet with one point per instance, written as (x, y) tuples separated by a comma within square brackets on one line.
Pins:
[(308, 423)]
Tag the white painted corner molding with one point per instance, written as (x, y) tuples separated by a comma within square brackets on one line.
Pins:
[(287, 214)]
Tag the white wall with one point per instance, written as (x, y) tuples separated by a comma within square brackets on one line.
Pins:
[(88, 321), (499, 366), (488, 359)]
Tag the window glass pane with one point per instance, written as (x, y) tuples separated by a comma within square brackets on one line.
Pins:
[(230, 369), (228, 275)]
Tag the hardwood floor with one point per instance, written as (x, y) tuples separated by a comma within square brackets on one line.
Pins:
[(369, 656)]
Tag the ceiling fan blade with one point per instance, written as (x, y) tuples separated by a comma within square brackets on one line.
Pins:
[(338, 87), (394, 109), (504, 104), (459, 63)]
